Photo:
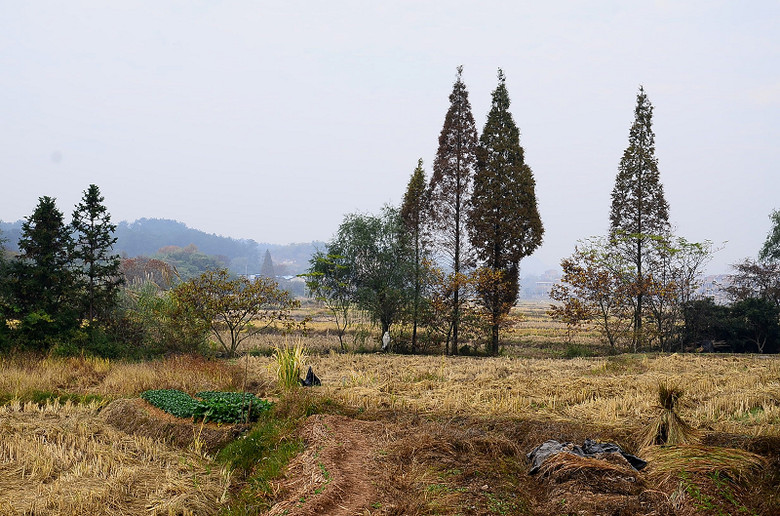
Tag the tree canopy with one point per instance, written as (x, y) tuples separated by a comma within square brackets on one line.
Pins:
[(234, 308)]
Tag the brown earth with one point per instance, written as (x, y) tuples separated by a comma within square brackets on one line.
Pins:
[(335, 474)]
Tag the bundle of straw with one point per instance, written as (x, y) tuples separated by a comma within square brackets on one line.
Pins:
[(668, 428)]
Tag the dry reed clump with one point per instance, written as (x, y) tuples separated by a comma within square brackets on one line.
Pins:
[(288, 365), (735, 394), (62, 460)]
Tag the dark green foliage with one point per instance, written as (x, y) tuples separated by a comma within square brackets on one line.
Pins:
[(41, 282), (216, 407), (770, 251), (95, 264), (504, 223), (172, 401), (750, 325), (638, 204), (705, 320), (5, 297), (450, 190), (639, 209), (91, 341), (230, 407), (756, 324)]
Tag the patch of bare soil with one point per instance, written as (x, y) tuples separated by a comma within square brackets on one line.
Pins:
[(136, 416), (335, 473)]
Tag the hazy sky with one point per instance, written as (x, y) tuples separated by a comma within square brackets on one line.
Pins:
[(271, 120)]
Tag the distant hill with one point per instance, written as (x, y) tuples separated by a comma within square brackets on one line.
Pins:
[(145, 237)]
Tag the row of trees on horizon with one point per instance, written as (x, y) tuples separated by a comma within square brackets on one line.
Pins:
[(446, 261)]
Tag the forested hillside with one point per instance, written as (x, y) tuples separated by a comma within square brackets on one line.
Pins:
[(145, 237)]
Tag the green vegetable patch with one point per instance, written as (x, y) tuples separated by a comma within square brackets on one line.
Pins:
[(209, 406)]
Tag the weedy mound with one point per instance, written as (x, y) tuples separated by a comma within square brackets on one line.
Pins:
[(710, 478), (136, 417)]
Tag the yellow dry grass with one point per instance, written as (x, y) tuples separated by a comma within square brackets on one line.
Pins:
[(61, 460), (24, 374), (738, 394)]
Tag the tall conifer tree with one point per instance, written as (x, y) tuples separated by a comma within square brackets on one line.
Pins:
[(450, 189), (504, 223), (96, 264), (639, 209), (412, 213), (43, 282), (267, 268)]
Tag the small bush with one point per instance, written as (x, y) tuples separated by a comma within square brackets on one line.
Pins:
[(577, 351)]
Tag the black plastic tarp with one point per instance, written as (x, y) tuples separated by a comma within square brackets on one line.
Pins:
[(589, 448)]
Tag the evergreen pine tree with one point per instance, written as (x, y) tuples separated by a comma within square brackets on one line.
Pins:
[(267, 269), (639, 209), (42, 280), (95, 264), (450, 189), (504, 223), (412, 213)]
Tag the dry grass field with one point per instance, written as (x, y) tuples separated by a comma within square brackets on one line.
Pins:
[(737, 394), (397, 434)]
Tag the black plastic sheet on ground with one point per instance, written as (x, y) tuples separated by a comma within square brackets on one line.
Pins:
[(589, 448)]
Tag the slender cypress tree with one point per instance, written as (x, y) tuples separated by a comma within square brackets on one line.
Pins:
[(504, 223), (639, 209), (95, 263), (412, 213), (267, 268), (450, 189)]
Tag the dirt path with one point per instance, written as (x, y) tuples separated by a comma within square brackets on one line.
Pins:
[(334, 473)]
